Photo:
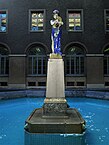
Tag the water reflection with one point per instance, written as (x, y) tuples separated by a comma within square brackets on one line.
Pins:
[(54, 139)]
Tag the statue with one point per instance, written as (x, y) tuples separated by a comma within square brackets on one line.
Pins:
[(56, 32)]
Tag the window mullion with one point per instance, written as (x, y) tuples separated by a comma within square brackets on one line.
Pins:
[(32, 66), (107, 64), (4, 69), (84, 61), (37, 65), (46, 65), (70, 65), (79, 67), (74, 66), (42, 65)]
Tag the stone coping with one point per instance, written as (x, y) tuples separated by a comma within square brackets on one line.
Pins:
[(55, 100), (55, 56), (97, 94)]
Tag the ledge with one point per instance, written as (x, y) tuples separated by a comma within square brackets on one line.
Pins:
[(21, 93), (55, 100), (94, 55)]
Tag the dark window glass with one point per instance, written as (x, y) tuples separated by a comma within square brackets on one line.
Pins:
[(107, 13), (36, 50), (107, 19), (70, 83), (4, 60), (39, 65), (72, 65), (41, 83), (37, 21), (77, 65), (74, 20), (31, 83), (3, 84), (34, 65), (82, 65), (107, 24), (106, 83), (80, 83), (74, 61), (74, 50), (68, 65), (37, 61), (106, 61), (3, 21), (44, 65)]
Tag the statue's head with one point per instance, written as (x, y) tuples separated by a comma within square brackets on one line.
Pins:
[(55, 14)]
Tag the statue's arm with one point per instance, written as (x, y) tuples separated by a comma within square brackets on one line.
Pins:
[(60, 21), (52, 22)]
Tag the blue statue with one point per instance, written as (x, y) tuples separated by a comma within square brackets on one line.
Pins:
[(56, 32)]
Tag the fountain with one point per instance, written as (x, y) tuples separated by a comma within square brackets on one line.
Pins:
[(55, 117)]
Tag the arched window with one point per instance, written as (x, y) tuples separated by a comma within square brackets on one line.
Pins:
[(4, 60), (106, 60), (37, 60), (74, 63)]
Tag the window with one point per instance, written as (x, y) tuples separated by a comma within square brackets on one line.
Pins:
[(3, 84), (4, 60), (74, 61), (107, 20), (74, 20), (107, 84), (3, 21), (70, 83), (31, 83), (106, 60), (37, 18), (41, 83), (80, 83), (37, 61)]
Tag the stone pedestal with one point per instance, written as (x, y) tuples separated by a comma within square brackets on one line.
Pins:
[(55, 116), (55, 103), (54, 107), (55, 79)]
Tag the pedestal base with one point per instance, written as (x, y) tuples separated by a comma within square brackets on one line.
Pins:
[(74, 123), (54, 107)]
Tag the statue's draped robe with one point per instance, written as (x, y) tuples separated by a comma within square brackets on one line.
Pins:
[(56, 37)]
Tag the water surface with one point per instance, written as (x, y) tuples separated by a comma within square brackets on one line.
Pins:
[(13, 114)]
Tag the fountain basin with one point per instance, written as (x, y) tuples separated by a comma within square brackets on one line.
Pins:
[(71, 123)]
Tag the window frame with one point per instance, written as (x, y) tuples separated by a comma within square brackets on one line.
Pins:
[(78, 10), (75, 66), (5, 10), (5, 57), (32, 68), (44, 18), (107, 66), (105, 19)]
